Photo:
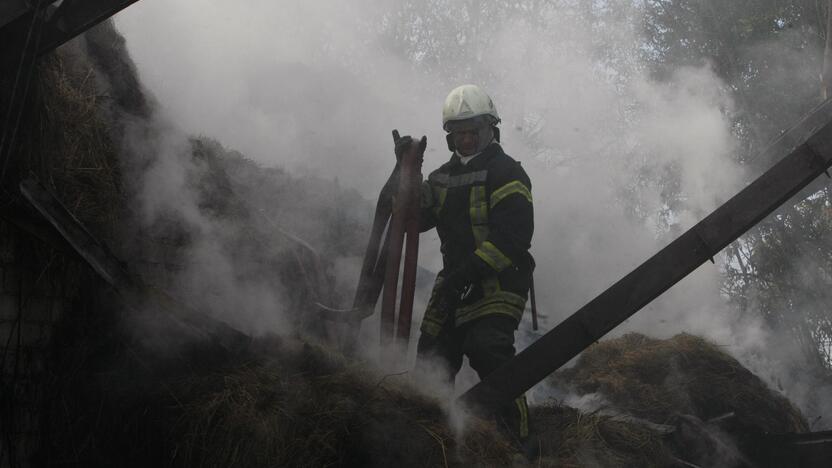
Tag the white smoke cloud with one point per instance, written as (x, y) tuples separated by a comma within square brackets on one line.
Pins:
[(313, 87), (212, 277)]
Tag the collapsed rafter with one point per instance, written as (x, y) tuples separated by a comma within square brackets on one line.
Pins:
[(808, 153)]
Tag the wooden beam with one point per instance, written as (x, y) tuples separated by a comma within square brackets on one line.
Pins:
[(806, 152), (136, 294), (58, 24)]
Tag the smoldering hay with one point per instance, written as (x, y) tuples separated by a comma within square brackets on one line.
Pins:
[(287, 401)]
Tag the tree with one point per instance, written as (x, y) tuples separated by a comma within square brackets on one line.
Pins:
[(770, 54)]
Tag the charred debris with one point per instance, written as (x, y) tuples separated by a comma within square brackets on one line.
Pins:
[(106, 363)]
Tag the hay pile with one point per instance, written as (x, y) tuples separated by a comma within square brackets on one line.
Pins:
[(685, 382), (655, 379), (75, 155), (305, 407), (570, 438), (282, 403), (289, 403), (113, 402), (64, 142)]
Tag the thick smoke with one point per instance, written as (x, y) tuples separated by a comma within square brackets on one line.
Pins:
[(316, 87), (214, 271), (187, 231)]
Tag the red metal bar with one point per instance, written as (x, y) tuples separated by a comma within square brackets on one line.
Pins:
[(366, 294), (372, 276), (414, 183), (391, 273)]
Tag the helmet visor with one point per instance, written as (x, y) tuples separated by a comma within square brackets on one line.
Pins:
[(468, 125)]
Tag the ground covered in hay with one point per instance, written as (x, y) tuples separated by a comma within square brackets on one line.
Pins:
[(115, 401), (716, 407), (307, 407), (302, 406), (285, 402), (655, 379)]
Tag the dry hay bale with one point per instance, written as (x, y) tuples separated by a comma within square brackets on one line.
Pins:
[(570, 438), (656, 379), (282, 403), (67, 145), (288, 403), (301, 406)]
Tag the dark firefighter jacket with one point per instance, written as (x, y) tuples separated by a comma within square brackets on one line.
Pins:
[(483, 214)]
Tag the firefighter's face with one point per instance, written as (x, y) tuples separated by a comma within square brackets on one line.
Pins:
[(466, 141), (470, 136)]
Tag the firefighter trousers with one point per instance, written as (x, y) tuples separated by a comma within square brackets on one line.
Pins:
[(488, 342)]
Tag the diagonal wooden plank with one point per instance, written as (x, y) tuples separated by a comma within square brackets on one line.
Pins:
[(136, 294), (10, 10), (58, 24), (806, 152)]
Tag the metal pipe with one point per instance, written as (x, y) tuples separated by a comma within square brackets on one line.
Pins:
[(413, 161), (394, 258)]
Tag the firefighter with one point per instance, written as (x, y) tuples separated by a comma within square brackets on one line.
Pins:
[(480, 203)]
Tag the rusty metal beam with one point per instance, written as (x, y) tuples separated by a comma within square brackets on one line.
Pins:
[(371, 278), (391, 270), (806, 152), (411, 185)]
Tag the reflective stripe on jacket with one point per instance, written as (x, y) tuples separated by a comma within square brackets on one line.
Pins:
[(482, 208)]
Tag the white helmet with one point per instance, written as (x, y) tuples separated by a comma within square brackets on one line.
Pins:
[(465, 102)]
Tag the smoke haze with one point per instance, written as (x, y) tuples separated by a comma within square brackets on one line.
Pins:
[(316, 87)]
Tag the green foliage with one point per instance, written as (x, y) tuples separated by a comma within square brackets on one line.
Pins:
[(770, 53)]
